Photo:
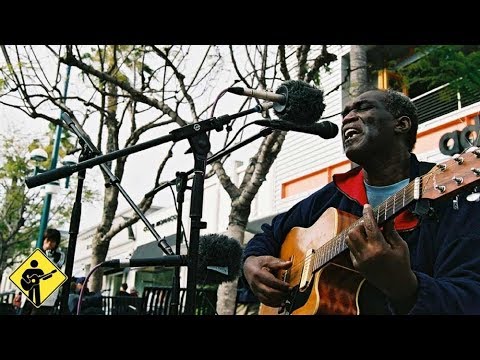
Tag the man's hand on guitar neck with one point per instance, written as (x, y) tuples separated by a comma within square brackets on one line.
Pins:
[(260, 273), (383, 259)]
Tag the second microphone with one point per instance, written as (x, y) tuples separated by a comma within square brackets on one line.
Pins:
[(325, 129)]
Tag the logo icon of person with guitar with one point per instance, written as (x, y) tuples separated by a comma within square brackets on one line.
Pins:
[(38, 278), (31, 281)]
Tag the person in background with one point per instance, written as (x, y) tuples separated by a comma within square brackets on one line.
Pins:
[(91, 302), (133, 292), (123, 290), (17, 303)]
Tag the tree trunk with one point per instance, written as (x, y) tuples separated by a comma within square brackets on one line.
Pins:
[(358, 70), (227, 291), (99, 253), (242, 198), (100, 243)]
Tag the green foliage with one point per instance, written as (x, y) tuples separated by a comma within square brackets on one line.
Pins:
[(20, 207), (17, 210), (441, 64)]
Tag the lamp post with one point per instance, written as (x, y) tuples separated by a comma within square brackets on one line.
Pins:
[(53, 165)]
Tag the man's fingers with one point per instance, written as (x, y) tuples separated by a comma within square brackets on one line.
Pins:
[(278, 264), (271, 281), (391, 235), (369, 222), (388, 227), (355, 241), (271, 297), (270, 290)]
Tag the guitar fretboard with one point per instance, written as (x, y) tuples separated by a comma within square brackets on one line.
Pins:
[(383, 212)]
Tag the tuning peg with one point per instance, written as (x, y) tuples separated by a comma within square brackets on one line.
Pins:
[(474, 196), (459, 159), (474, 149)]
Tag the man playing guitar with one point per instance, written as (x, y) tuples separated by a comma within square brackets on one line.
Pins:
[(397, 253)]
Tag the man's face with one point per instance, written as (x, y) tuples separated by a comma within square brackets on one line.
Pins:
[(367, 126), (49, 244)]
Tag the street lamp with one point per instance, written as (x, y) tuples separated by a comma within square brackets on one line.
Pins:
[(52, 188), (69, 160), (38, 155)]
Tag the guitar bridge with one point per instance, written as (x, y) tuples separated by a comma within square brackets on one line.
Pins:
[(307, 270)]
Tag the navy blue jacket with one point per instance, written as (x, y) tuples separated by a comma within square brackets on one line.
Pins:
[(444, 244)]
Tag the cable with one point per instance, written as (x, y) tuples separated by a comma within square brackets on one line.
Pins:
[(181, 221), (85, 282), (234, 137)]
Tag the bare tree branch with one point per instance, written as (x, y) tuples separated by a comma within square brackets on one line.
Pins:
[(225, 180), (324, 59), (283, 62), (180, 78), (69, 59), (302, 56)]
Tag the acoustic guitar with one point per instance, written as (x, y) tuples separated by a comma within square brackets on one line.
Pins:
[(322, 276), (35, 280)]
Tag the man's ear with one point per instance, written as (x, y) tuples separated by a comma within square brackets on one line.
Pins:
[(403, 124)]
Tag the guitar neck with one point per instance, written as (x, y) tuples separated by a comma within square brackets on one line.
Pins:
[(389, 208), (443, 179)]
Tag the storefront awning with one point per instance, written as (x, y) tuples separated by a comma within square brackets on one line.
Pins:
[(152, 250)]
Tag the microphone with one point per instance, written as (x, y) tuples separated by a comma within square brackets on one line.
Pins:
[(295, 101), (167, 260), (219, 259), (325, 129), (278, 97)]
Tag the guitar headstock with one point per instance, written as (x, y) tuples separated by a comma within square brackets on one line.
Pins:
[(452, 175)]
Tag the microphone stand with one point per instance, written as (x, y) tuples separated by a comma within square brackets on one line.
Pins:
[(199, 142), (181, 185), (73, 231), (181, 182)]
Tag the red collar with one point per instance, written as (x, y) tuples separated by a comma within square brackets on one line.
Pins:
[(352, 185)]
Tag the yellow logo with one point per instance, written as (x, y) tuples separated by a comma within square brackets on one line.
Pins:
[(37, 277)]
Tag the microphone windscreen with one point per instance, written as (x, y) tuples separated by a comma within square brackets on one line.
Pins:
[(305, 103), (219, 259)]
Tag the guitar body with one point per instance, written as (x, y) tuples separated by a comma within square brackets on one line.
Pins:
[(334, 289), (34, 280)]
